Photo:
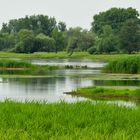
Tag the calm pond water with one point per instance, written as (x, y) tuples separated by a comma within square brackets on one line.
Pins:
[(70, 62), (48, 88), (51, 88)]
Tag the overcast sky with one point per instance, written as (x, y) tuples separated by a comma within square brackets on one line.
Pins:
[(72, 12)]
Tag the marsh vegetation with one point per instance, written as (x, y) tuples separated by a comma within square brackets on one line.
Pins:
[(124, 65), (83, 120), (27, 73)]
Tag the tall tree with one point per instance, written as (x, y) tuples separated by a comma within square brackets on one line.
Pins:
[(130, 36), (26, 41), (115, 17), (36, 23), (108, 42), (62, 26), (60, 41), (44, 43)]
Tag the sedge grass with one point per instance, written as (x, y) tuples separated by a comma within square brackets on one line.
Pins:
[(57, 121), (126, 65)]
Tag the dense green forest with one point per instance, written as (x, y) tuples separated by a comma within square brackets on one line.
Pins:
[(116, 30)]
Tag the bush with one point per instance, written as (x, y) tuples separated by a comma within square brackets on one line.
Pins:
[(92, 50)]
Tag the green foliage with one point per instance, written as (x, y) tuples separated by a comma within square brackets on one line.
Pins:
[(125, 65), (33, 34), (118, 30), (115, 17), (115, 30), (62, 26), (44, 43), (108, 92), (26, 41), (60, 40), (7, 41), (36, 23), (83, 120), (79, 40), (92, 50), (20, 67), (6, 63), (107, 42), (130, 36)]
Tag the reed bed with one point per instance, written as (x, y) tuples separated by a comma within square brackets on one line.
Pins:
[(124, 65), (7, 63)]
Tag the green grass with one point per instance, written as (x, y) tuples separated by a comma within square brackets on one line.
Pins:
[(63, 121), (76, 55), (126, 65), (7, 63), (108, 92), (20, 67)]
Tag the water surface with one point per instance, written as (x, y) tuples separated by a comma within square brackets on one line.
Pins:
[(52, 87)]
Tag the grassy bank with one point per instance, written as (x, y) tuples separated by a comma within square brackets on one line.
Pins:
[(20, 67), (76, 55), (124, 65), (84, 121), (11, 64), (107, 93)]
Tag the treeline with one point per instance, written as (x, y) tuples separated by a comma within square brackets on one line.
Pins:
[(115, 31)]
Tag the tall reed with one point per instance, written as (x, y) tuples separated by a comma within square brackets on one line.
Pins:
[(7, 63), (124, 65)]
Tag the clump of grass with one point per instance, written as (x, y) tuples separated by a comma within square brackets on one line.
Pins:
[(83, 120), (20, 67), (126, 65), (42, 69), (6, 63)]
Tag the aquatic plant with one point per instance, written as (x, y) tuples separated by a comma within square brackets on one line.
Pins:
[(124, 65)]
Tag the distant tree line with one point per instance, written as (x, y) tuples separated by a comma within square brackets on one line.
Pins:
[(116, 30)]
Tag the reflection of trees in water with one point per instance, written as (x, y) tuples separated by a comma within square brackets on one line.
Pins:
[(77, 82), (14, 72), (116, 82), (36, 83)]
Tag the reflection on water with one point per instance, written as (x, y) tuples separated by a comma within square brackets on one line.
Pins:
[(71, 62), (123, 103), (117, 102), (52, 87)]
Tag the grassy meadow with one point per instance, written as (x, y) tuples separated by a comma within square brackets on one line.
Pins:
[(75, 55), (63, 121)]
